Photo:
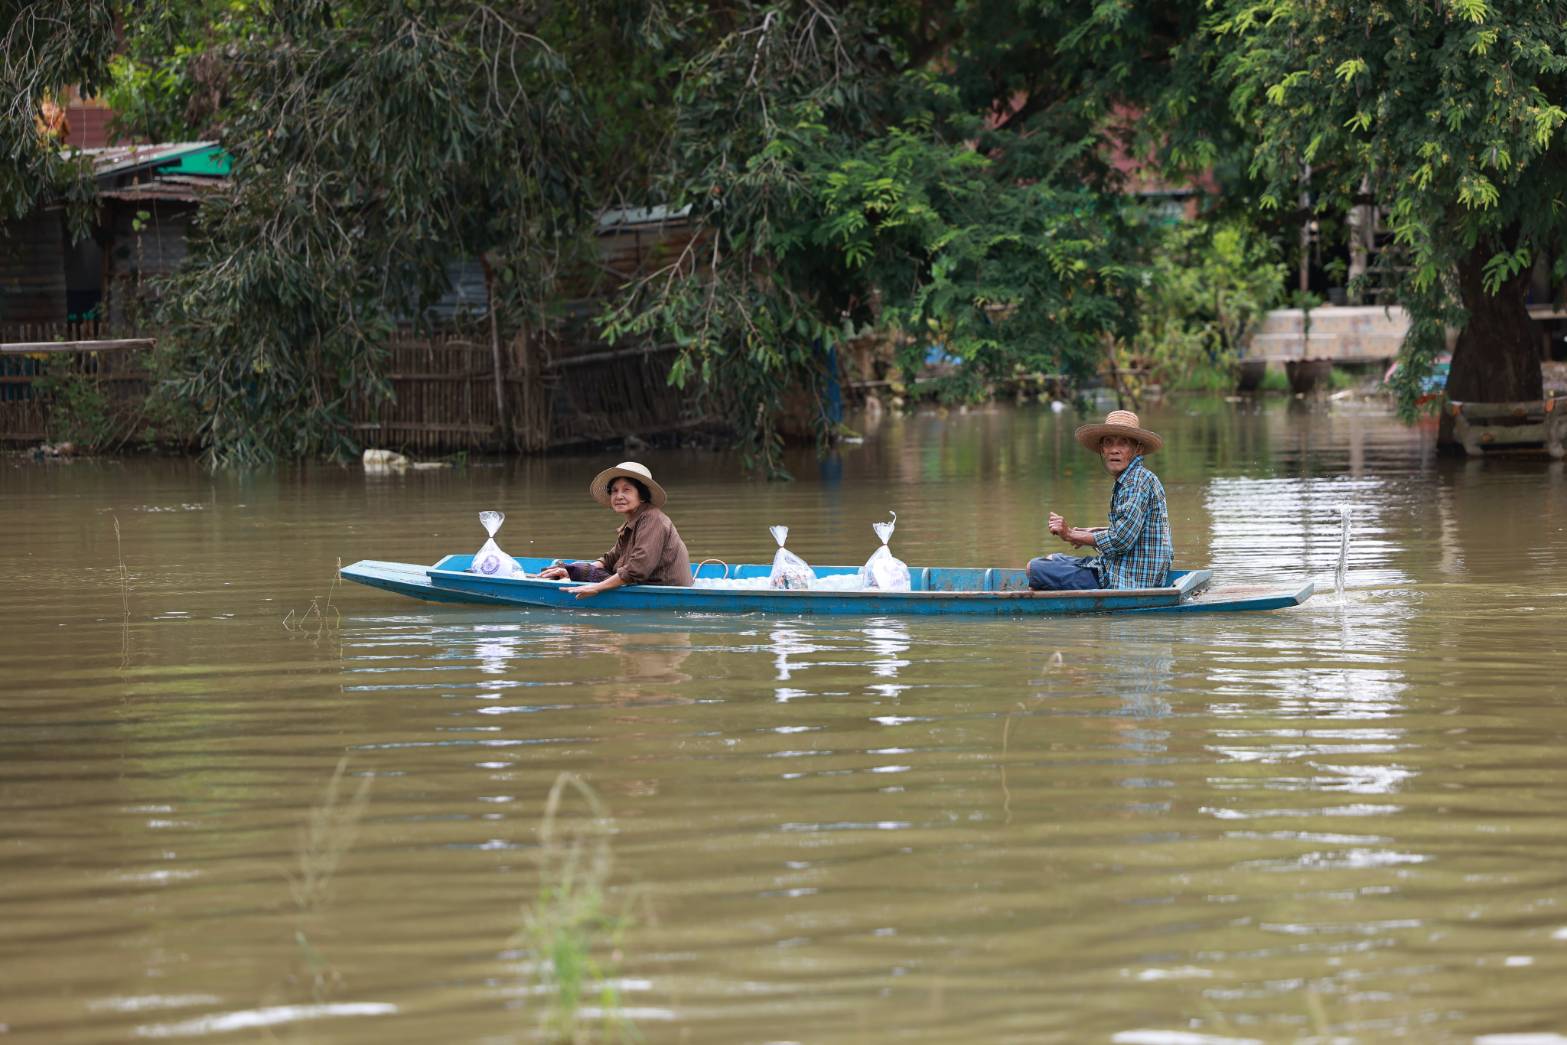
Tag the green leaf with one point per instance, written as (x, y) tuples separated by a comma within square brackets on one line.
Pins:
[(1348, 70)]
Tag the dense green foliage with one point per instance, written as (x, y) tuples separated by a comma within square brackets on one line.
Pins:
[(1204, 294), (373, 149), (169, 78), (956, 176), (937, 174), (844, 198), (843, 180)]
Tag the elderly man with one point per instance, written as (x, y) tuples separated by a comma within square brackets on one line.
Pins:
[(1134, 550)]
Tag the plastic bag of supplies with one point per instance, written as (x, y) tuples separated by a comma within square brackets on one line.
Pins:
[(490, 560), (789, 570), (882, 571)]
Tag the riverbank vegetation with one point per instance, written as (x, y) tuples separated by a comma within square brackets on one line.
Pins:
[(1206, 289), (1039, 186)]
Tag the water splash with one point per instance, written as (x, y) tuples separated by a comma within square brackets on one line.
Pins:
[(1343, 553)]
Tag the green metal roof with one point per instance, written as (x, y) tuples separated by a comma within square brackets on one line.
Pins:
[(210, 161)]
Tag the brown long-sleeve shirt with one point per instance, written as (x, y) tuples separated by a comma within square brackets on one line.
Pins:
[(648, 550)]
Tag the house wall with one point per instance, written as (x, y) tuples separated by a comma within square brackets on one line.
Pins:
[(137, 255), (32, 269), (87, 125)]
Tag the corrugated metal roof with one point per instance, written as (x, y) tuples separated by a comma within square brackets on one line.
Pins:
[(178, 187), (122, 159), (624, 217), (178, 171)]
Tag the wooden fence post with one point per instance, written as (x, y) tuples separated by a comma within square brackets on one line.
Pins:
[(533, 429), (502, 418)]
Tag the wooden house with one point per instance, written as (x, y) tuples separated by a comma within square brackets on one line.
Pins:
[(54, 288)]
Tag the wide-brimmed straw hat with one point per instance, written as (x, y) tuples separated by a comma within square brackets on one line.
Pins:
[(599, 487), (1118, 422)]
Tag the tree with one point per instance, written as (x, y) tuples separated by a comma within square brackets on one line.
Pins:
[(170, 75), (939, 171), (1446, 114), (373, 148), (46, 48)]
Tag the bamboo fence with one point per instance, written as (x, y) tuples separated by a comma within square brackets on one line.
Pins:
[(553, 392)]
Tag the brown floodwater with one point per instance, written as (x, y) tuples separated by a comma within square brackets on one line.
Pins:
[(242, 802)]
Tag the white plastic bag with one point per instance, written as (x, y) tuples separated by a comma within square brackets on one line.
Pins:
[(490, 560), (881, 571), (789, 570)]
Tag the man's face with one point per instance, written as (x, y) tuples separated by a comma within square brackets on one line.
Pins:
[(1117, 452)]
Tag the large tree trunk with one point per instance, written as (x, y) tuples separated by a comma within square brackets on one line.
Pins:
[(1497, 358)]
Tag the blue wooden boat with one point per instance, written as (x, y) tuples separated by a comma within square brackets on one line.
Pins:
[(935, 590)]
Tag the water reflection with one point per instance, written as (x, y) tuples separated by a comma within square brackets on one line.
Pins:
[(1107, 698), (878, 643), (1273, 530), (788, 641), (643, 666), (496, 647), (623, 662), (1354, 671), (886, 642), (1144, 675), (627, 659)]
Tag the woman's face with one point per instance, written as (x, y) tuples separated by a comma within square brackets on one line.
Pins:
[(623, 496)]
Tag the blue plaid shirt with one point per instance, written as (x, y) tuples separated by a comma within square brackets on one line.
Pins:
[(1135, 549)]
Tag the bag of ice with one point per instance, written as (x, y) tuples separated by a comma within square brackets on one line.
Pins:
[(882, 571), (789, 570), (490, 560)]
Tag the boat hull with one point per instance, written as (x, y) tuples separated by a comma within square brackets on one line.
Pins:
[(1239, 598), (406, 578), (938, 591)]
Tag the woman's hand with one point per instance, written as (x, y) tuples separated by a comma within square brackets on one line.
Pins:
[(583, 591), (553, 573)]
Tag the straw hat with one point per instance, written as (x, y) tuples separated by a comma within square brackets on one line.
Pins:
[(599, 487), (1118, 422)]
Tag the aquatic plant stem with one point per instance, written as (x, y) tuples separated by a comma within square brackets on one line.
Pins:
[(568, 921), (327, 836), (337, 576), (125, 579), (125, 597)]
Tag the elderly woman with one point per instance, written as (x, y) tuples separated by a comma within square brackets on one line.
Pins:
[(648, 548)]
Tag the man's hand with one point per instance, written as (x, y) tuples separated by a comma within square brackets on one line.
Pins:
[(553, 573), (585, 591), (1072, 535)]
